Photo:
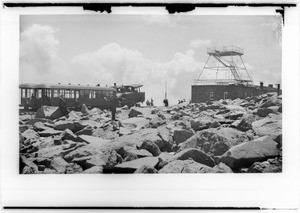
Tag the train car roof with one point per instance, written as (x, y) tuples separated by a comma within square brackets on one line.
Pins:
[(129, 85), (63, 86)]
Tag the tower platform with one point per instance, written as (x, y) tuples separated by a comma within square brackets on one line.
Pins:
[(225, 51)]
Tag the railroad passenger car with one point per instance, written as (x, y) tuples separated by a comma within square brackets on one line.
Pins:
[(35, 95)]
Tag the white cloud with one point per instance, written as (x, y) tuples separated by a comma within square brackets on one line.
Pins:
[(38, 53), (115, 64), (197, 43)]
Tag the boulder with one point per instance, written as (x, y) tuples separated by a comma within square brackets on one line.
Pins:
[(270, 101), (140, 153), (59, 164), (150, 146), (49, 112), (245, 154), (91, 139), (84, 109), (30, 134), (132, 166), (139, 111), (50, 132), (185, 166), (207, 141), (263, 112), (221, 168), (135, 123), (35, 120), (106, 159), (146, 169), (269, 166), (230, 136), (84, 151), (93, 170), (124, 131), (85, 131), (197, 155), (156, 121), (39, 126), (73, 168), (25, 118), (270, 125), (181, 135), (73, 126), (69, 135), (201, 123)]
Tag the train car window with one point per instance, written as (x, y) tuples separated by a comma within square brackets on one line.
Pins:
[(86, 94), (23, 94), (76, 94), (39, 93), (61, 92), (71, 93), (67, 93), (55, 93), (94, 94), (27, 93), (81, 92)]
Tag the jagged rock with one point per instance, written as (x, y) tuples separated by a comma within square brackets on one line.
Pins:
[(73, 168), (269, 166), (185, 166), (271, 101), (85, 131), (245, 154), (91, 139), (85, 150), (232, 136), (73, 126), (156, 121), (94, 170), (30, 134), (246, 123), (270, 125), (129, 151), (135, 123), (150, 146), (181, 135), (201, 123), (74, 116), (49, 112), (136, 111), (69, 135), (221, 168), (35, 120), (106, 159), (25, 118), (132, 166), (263, 112), (215, 124), (59, 164), (195, 154), (39, 126), (124, 131), (146, 169), (206, 138), (50, 132)]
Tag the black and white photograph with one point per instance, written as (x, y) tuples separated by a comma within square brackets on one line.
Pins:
[(142, 107), (150, 94)]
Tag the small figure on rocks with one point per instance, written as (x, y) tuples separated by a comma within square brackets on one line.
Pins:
[(63, 106), (84, 109), (151, 102), (148, 103), (166, 102), (114, 102)]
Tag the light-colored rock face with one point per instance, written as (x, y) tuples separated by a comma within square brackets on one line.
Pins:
[(225, 136)]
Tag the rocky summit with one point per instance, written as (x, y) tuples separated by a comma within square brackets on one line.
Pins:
[(225, 136)]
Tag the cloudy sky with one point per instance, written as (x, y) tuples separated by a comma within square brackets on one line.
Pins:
[(149, 50)]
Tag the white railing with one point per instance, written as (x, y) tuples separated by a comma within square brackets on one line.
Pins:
[(225, 49)]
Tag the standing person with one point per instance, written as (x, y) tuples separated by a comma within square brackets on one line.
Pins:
[(166, 102), (151, 102), (114, 102)]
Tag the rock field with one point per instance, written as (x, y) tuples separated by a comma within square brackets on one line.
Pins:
[(226, 136)]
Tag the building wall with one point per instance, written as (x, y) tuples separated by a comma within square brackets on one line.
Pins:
[(202, 93)]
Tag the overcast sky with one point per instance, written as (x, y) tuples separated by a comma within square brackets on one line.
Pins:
[(149, 50)]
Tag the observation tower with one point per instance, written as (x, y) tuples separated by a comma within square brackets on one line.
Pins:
[(224, 66)]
